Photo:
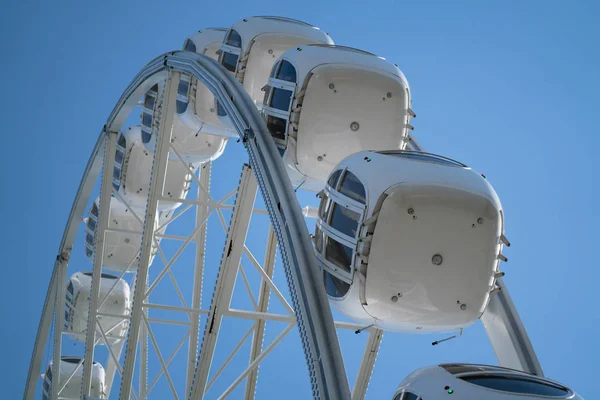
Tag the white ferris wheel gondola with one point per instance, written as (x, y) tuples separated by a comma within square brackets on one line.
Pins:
[(133, 163), (409, 241), (198, 135), (115, 294), (252, 45), (475, 381), (122, 240), (71, 372), (323, 103)]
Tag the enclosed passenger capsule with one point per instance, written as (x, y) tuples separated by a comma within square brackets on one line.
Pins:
[(197, 134), (73, 365), (409, 241), (323, 103), (472, 381), (123, 240), (114, 298), (253, 44), (133, 164)]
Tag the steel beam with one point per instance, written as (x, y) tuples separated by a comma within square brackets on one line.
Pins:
[(90, 175), (112, 366), (263, 306), (103, 217), (59, 322), (232, 254), (201, 214), (367, 364), (157, 181), (507, 333)]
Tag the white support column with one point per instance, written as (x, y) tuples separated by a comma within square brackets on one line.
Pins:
[(507, 334), (201, 213), (157, 180), (367, 364), (105, 197), (263, 306), (59, 319), (234, 247), (143, 373), (111, 366)]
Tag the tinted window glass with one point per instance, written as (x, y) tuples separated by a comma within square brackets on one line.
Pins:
[(91, 224), (274, 70), (287, 72), (122, 141), (146, 135), (344, 220), (324, 208), (229, 61), (333, 178), (183, 87), (516, 385), (181, 106), (426, 157), (89, 238), (276, 127), (94, 210), (147, 120), (318, 240), (89, 252), (149, 102), (72, 360), (119, 155), (410, 396), (281, 151), (234, 39), (281, 99), (352, 188), (338, 254), (333, 286), (189, 46), (461, 368), (117, 173)]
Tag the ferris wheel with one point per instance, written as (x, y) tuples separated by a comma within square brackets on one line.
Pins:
[(169, 281)]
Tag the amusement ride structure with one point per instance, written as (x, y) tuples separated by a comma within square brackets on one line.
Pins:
[(402, 240)]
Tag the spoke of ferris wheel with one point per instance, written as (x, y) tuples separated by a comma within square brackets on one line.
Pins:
[(80, 201), (202, 213), (263, 305), (157, 179), (367, 364), (227, 272), (103, 217)]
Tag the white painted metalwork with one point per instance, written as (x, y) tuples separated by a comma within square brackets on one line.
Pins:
[(308, 309)]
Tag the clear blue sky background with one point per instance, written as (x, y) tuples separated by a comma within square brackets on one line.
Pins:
[(508, 87)]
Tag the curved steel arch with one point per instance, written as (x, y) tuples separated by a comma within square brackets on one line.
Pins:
[(314, 317)]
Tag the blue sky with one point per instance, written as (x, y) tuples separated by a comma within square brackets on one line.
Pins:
[(509, 88)]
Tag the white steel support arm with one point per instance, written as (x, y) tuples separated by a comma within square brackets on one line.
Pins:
[(157, 181), (59, 322), (232, 254), (105, 196), (507, 333), (112, 366), (367, 364), (201, 213), (263, 306), (86, 185)]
